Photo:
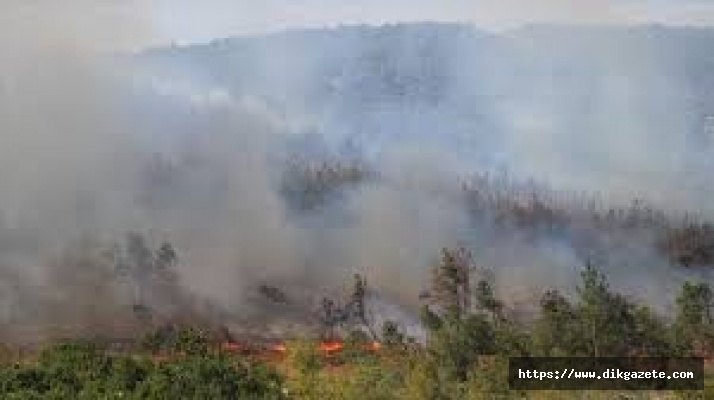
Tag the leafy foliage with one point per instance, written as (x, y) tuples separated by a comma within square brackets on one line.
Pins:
[(80, 370), (694, 325), (464, 357)]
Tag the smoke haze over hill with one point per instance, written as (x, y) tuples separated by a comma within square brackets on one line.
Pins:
[(190, 145)]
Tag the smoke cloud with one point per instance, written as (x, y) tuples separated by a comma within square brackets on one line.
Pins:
[(95, 146)]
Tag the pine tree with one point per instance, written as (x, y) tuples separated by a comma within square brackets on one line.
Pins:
[(451, 281), (606, 318), (555, 332), (486, 300), (357, 304), (693, 325)]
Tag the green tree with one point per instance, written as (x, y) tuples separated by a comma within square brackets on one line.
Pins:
[(693, 322), (430, 319), (486, 300), (606, 318), (694, 304), (457, 345), (556, 330), (457, 334), (652, 334), (451, 281)]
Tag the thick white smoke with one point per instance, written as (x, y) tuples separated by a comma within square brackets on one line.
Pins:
[(92, 147)]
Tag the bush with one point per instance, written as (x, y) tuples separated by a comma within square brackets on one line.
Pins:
[(81, 371), (208, 377)]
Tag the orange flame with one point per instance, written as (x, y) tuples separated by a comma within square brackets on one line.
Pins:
[(328, 347), (280, 348), (374, 346), (232, 347), (331, 347)]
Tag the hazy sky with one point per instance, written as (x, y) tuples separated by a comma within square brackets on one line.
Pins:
[(138, 22)]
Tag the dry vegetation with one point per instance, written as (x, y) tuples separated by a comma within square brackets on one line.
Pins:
[(505, 204), (685, 240)]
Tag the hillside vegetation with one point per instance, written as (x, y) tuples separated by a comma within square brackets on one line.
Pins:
[(471, 333)]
